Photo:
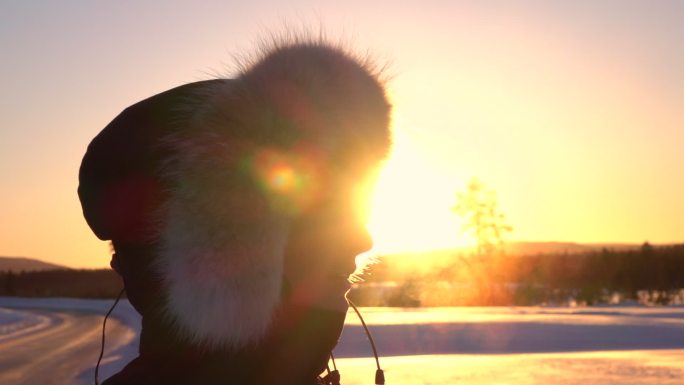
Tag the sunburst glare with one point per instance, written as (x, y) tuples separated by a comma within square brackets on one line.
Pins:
[(411, 204)]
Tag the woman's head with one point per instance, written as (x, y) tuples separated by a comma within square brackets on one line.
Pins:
[(255, 185)]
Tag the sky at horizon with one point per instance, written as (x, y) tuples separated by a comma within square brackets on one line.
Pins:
[(572, 112)]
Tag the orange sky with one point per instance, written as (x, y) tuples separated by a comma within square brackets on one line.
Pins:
[(573, 112)]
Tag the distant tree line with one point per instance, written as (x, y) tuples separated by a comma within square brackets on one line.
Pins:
[(101, 283), (649, 275), (653, 275)]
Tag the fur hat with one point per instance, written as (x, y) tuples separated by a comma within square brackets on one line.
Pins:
[(215, 175)]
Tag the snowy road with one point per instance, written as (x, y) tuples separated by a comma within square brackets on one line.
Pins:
[(57, 352), (54, 342)]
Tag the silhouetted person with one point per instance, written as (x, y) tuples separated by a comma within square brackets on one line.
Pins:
[(230, 204)]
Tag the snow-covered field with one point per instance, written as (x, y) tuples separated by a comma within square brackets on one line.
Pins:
[(521, 346), (516, 346)]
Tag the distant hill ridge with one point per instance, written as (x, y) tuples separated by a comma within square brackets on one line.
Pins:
[(18, 264)]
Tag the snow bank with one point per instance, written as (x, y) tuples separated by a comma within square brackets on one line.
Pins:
[(515, 330)]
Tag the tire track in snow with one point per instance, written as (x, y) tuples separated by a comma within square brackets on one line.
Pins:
[(58, 353)]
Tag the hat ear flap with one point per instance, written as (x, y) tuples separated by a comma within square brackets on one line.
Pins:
[(221, 250)]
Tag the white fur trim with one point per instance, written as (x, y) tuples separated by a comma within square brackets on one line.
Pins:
[(221, 254)]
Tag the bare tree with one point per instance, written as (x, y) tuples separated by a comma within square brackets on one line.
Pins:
[(479, 208)]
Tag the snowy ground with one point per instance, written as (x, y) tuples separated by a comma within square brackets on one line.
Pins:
[(521, 346), (516, 346)]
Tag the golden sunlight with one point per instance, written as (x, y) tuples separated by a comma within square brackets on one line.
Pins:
[(411, 204)]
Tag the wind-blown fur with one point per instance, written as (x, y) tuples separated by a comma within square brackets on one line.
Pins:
[(221, 241)]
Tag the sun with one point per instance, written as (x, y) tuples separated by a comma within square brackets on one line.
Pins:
[(410, 208)]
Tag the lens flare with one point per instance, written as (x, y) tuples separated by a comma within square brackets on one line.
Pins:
[(289, 180), (283, 179)]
